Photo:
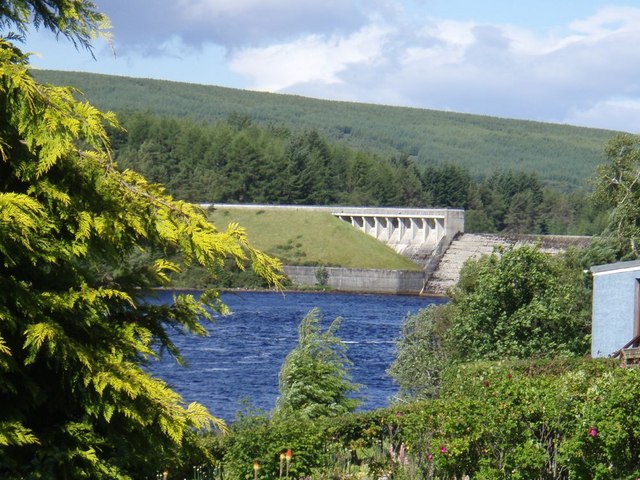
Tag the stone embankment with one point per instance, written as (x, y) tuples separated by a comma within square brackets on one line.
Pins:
[(442, 271), (472, 246)]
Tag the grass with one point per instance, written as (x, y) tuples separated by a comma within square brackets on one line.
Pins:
[(312, 238)]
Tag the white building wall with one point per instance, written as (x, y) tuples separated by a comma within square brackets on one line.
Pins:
[(615, 290)]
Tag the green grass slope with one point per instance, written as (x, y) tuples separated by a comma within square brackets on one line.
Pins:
[(560, 154), (312, 238)]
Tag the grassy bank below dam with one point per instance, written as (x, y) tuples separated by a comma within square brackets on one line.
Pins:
[(312, 238)]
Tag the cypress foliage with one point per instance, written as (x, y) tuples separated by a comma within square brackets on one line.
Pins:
[(80, 243)]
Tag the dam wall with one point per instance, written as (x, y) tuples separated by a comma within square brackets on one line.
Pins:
[(359, 280), (433, 238)]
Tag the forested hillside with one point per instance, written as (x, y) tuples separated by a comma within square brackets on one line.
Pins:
[(210, 144), (238, 161), (561, 155)]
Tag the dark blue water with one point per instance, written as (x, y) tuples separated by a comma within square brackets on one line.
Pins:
[(241, 358)]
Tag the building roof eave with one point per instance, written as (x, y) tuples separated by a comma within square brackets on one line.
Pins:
[(618, 267)]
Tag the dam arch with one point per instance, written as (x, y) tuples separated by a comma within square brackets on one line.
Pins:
[(404, 228)]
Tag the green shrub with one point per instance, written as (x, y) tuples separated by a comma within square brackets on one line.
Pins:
[(315, 380), (258, 437), (420, 354), (604, 438), (545, 419)]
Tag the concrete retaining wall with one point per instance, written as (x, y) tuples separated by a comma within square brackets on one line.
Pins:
[(360, 280)]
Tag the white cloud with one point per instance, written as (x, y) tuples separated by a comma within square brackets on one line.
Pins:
[(313, 58), (441, 43), (608, 20), (231, 23), (502, 70), (198, 8), (617, 114)]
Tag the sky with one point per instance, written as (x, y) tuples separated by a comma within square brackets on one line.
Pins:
[(561, 61)]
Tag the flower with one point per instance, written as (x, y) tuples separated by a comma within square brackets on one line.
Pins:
[(443, 449), (402, 455), (430, 457), (593, 431), (288, 454)]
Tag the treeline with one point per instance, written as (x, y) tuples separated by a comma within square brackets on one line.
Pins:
[(239, 161), (562, 154)]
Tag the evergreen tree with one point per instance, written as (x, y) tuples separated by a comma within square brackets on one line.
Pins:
[(80, 244), (412, 190), (448, 185), (522, 216), (314, 379), (358, 178)]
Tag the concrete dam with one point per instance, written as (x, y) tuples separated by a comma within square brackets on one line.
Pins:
[(423, 235), (403, 229), (415, 233), (433, 238)]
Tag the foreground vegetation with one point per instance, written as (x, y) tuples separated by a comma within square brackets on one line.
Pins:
[(547, 419), (81, 240)]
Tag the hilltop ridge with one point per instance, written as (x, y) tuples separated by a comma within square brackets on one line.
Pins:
[(562, 155)]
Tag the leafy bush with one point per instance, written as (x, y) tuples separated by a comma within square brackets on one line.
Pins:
[(519, 303), (547, 419), (421, 356), (516, 303), (322, 275), (605, 440), (256, 437)]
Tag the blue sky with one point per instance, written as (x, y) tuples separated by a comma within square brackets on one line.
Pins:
[(565, 61)]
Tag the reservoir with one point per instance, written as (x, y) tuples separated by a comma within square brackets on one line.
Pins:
[(238, 364)]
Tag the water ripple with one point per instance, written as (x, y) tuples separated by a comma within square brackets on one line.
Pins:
[(241, 358)]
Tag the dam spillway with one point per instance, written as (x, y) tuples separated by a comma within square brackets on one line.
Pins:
[(405, 228)]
